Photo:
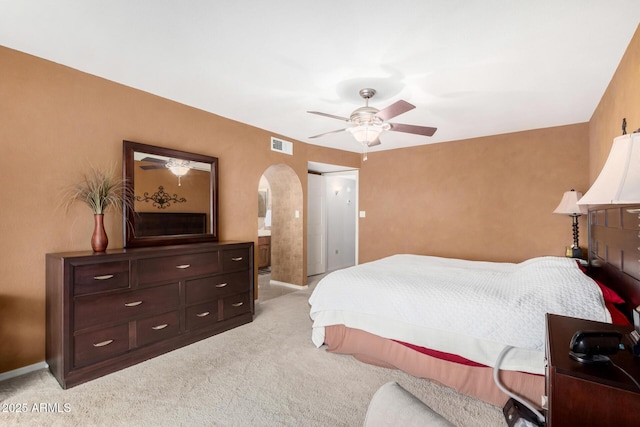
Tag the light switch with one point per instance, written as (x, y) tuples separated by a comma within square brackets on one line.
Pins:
[(297, 213), (363, 214)]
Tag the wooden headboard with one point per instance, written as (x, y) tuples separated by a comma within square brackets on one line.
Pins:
[(169, 224), (614, 251)]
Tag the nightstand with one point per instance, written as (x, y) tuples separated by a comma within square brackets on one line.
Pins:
[(593, 395)]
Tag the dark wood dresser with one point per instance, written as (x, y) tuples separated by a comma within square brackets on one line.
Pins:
[(107, 311), (588, 395)]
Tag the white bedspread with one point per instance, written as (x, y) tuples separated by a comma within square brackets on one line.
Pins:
[(470, 308)]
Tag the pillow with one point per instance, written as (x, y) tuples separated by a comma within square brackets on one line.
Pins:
[(617, 317), (609, 294), (392, 405)]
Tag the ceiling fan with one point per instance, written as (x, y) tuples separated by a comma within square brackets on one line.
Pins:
[(178, 167), (159, 163), (162, 163), (367, 123)]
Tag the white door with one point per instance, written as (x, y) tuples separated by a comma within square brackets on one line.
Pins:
[(316, 226)]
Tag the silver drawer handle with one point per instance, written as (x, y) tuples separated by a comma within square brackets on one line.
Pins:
[(205, 314), (132, 304), (237, 259), (105, 277), (157, 328), (103, 343), (183, 266), (237, 304), (221, 285)]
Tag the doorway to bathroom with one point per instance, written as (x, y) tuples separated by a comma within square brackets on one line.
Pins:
[(280, 232)]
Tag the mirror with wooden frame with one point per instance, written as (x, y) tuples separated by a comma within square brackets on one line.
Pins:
[(175, 196)]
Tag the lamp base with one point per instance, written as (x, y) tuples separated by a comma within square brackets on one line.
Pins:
[(573, 252)]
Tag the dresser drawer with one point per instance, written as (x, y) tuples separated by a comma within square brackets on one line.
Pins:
[(199, 290), (100, 277), (157, 328), (99, 345), (93, 310), (235, 305), (202, 315), (235, 259), (162, 269)]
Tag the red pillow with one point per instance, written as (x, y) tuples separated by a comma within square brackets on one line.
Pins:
[(617, 317), (609, 294)]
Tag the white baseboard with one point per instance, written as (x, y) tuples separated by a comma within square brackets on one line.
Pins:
[(289, 285), (22, 371)]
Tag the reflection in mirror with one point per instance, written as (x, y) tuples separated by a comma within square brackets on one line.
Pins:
[(262, 203), (175, 196), (264, 207)]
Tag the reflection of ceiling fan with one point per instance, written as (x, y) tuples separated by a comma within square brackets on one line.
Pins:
[(368, 122), (160, 163), (172, 164), (179, 167)]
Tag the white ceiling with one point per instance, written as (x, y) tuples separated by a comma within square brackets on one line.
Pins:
[(472, 68)]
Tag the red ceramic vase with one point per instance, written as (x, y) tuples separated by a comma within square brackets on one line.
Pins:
[(99, 240)]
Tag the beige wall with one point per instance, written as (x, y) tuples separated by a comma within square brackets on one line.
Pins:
[(621, 100), (485, 198), (287, 243), (54, 123)]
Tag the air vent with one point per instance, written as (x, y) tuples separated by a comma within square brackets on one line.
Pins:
[(281, 146)]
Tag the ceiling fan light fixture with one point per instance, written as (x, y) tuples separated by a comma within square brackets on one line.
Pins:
[(367, 133), (367, 123), (179, 168)]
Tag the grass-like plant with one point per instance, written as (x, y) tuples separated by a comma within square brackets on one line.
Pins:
[(100, 190)]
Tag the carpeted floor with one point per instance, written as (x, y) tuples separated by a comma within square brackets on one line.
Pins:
[(266, 373)]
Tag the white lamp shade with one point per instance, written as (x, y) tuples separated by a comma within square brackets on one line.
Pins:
[(569, 204), (619, 180)]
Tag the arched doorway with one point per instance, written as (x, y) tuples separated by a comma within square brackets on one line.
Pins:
[(283, 216)]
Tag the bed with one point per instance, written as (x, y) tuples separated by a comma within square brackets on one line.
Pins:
[(429, 316)]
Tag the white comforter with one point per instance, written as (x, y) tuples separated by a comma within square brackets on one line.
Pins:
[(470, 308)]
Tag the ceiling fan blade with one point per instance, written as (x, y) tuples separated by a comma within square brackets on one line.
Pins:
[(418, 130), (149, 167), (327, 133), (329, 115), (394, 109), (153, 159)]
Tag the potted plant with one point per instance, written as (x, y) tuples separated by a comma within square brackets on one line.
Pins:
[(100, 190)]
